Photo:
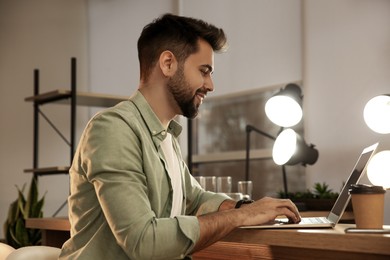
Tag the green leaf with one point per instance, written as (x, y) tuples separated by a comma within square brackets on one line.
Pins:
[(14, 240), (15, 231), (32, 197), (35, 236), (12, 211), (21, 203), (21, 232), (7, 232), (36, 209)]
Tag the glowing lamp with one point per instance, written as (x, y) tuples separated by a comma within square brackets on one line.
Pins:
[(377, 114), (290, 149), (284, 108), (378, 170)]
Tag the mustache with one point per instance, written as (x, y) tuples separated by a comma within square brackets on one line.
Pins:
[(202, 91)]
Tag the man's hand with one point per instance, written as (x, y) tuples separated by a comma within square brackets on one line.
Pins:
[(267, 209), (215, 226)]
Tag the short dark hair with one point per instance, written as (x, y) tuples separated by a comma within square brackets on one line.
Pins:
[(177, 34)]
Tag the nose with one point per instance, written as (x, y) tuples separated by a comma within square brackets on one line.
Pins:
[(209, 84)]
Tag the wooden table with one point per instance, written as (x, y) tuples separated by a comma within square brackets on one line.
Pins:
[(55, 231), (332, 244), (242, 244)]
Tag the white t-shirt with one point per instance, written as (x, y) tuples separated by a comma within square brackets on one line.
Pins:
[(174, 173)]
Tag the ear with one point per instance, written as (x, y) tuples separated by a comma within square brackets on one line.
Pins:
[(168, 63)]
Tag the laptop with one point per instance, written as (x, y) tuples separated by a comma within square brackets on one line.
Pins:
[(341, 203)]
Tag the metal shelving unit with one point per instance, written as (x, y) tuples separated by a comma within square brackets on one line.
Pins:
[(68, 97)]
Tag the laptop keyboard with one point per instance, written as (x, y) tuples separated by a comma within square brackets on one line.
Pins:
[(314, 220)]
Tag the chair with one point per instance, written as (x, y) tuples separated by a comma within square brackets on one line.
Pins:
[(5, 250), (35, 252)]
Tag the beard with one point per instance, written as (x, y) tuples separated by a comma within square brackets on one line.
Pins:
[(182, 93)]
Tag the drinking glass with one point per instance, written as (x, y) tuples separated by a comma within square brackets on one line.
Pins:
[(209, 183), (224, 184), (245, 187)]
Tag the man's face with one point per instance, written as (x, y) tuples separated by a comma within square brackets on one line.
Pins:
[(192, 80)]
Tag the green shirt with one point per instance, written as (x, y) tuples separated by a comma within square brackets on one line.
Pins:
[(121, 195)]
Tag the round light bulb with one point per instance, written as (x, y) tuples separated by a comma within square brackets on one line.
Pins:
[(378, 169), (377, 114), (283, 111), (284, 146)]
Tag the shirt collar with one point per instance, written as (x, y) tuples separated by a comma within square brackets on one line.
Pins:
[(154, 125)]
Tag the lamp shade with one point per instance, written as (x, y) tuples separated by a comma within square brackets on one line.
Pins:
[(377, 114), (285, 107), (290, 149), (378, 169)]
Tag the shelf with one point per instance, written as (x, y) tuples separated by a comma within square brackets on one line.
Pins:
[(62, 96), (58, 224), (231, 156), (49, 170)]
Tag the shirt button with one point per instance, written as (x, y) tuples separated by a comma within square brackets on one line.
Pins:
[(163, 132), (154, 132)]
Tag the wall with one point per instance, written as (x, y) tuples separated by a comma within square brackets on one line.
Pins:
[(114, 28), (272, 53), (40, 34), (347, 61), (264, 42)]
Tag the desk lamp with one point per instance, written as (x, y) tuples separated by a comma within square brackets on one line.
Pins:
[(290, 149), (377, 117), (284, 109)]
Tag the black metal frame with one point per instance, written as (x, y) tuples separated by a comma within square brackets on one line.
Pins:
[(38, 112), (249, 129)]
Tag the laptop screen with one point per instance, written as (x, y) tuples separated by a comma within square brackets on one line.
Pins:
[(357, 172)]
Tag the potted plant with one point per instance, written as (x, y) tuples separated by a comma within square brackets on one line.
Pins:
[(319, 198), (15, 232)]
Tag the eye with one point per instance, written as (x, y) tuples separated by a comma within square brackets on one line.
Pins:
[(206, 71)]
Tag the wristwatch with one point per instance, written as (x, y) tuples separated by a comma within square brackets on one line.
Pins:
[(240, 202)]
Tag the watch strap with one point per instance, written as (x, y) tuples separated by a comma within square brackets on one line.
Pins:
[(240, 202)]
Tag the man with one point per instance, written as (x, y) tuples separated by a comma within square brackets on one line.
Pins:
[(132, 196)]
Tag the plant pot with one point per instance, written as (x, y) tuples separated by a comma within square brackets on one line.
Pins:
[(317, 204)]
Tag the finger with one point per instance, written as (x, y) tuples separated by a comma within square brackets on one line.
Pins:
[(292, 207), (292, 217), (290, 211)]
